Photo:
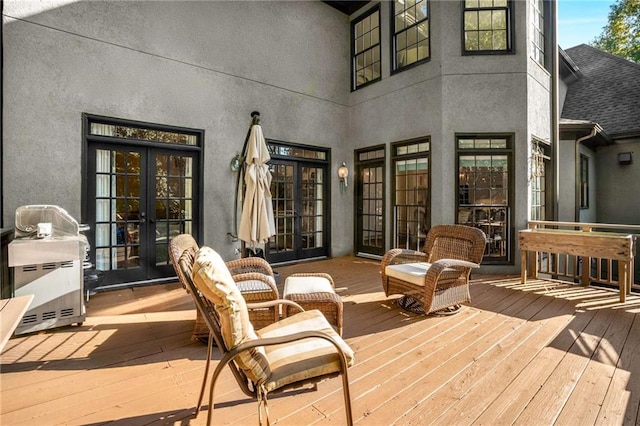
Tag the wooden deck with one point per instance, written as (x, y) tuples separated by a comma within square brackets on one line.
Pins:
[(539, 354)]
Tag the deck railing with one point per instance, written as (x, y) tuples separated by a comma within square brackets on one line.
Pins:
[(570, 267)]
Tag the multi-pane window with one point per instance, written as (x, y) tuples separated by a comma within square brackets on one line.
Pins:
[(584, 181), (487, 26), (484, 189), (411, 193), (537, 30), (410, 32), (539, 162), (366, 49)]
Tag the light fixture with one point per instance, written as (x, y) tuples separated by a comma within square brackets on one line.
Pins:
[(235, 163), (343, 173), (625, 158)]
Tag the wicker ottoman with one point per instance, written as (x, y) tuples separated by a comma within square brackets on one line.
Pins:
[(314, 291)]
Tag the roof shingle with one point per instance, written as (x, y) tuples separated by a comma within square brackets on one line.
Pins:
[(608, 92)]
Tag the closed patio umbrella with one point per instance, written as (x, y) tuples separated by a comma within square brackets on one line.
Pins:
[(256, 222)]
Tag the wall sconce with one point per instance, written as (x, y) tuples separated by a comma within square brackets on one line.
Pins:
[(235, 163), (343, 173), (625, 158)]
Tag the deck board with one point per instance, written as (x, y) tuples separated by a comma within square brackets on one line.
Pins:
[(542, 353)]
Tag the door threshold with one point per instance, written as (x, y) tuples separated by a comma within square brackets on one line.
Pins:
[(293, 262), (369, 256)]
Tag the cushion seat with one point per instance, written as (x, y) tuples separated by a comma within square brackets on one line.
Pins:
[(415, 272), (303, 359)]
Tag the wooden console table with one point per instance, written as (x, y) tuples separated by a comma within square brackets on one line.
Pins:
[(603, 245)]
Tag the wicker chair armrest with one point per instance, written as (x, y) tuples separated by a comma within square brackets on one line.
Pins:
[(315, 274), (397, 256), (457, 262), (249, 264), (437, 268), (277, 302)]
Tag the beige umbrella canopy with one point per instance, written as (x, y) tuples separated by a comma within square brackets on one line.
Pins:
[(256, 223)]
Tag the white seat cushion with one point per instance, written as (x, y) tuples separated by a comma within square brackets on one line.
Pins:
[(306, 285), (412, 272)]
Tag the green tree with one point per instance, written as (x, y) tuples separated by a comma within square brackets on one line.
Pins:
[(621, 36)]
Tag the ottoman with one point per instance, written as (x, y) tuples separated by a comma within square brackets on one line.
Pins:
[(314, 291)]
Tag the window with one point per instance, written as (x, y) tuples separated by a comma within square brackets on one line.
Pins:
[(540, 160), (366, 49), (537, 30), (484, 189), (487, 26), (410, 25), (411, 193), (584, 181)]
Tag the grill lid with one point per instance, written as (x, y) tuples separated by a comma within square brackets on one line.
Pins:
[(28, 218)]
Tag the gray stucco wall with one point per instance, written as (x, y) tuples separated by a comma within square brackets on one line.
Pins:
[(207, 65), (453, 94), (618, 186), (203, 65)]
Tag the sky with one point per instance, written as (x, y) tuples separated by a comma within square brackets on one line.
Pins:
[(580, 21)]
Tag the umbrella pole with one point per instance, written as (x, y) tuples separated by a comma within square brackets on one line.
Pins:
[(255, 119)]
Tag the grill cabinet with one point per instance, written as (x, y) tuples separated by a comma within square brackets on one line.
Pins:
[(49, 267)]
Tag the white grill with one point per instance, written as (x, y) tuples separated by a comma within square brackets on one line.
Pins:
[(50, 268)]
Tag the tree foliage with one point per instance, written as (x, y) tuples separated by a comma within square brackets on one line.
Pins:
[(621, 36)]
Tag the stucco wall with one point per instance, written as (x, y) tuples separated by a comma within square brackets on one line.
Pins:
[(618, 187), (450, 94), (566, 179), (589, 214), (203, 65)]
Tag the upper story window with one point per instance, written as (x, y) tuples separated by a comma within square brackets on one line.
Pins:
[(365, 36), (537, 30), (410, 29), (487, 26)]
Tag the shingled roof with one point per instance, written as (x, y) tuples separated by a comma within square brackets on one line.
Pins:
[(608, 91)]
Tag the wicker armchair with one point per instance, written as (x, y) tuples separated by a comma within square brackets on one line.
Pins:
[(253, 275), (298, 350), (437, 279)]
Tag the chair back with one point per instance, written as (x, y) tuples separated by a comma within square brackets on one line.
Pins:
[(455, 242), (183, 244), (183, 251)]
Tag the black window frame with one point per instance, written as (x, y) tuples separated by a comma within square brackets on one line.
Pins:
[(510, 39), (394, 37), (506, 209), (354, 54), (415, 155), (538, 32), (584, 182)]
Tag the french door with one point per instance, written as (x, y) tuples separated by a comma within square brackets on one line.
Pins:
[(299, 190), (139, 198), (370, 218)]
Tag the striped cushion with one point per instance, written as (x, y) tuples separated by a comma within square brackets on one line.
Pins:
[(214, 281), (303, 359)]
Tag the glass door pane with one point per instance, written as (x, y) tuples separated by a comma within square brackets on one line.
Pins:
[(173, 201), (299, 198), (370, 208), (312, 207), (119, 212), (284, 211)]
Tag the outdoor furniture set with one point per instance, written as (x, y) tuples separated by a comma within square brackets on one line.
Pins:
[(302, 348), (273, 344)]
